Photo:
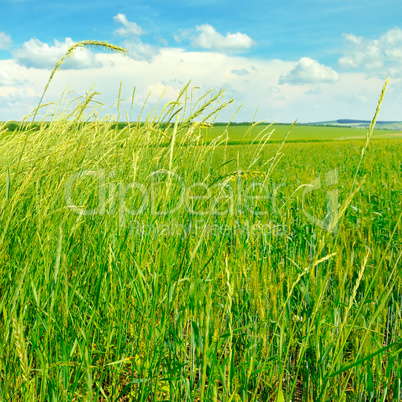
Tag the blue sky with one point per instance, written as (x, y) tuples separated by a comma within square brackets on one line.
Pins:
[(311, 60)]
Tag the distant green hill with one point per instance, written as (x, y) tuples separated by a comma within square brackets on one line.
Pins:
[(385, 125)]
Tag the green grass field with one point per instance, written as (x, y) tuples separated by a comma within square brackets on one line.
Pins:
[(246, 134), (185, 263)]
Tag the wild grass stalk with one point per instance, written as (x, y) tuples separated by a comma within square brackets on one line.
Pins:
[(181, 297)]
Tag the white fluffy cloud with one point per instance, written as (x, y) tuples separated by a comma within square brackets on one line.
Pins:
[(382, 56), (243, 71), (136, 48), (17, 97), (37, 54), (354, 95), (161, 92), (4, 78), (309, 95), (206, 37), (5, 41), (7, 80), (129, 28), (308, 71)]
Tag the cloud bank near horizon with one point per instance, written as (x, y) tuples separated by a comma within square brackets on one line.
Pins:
[(283, 90)]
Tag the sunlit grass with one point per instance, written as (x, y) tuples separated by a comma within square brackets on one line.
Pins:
[(214, 300)]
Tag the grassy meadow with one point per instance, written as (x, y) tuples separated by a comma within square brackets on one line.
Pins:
[(182, 262), (246, 133)]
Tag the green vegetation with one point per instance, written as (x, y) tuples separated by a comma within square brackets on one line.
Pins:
[(162, 263), (245, 134)]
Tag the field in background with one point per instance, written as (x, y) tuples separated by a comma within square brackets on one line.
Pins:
[(245, 134), (155, 263)]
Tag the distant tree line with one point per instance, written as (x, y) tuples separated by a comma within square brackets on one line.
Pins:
[(22, 126)]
